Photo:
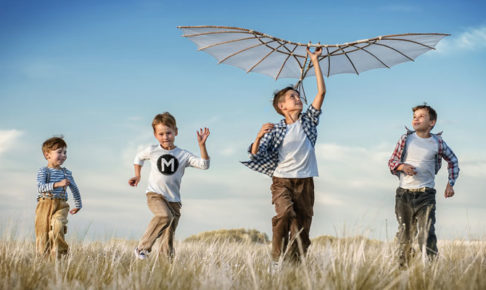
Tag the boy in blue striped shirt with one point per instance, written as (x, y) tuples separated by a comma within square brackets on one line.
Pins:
[(52, 207)]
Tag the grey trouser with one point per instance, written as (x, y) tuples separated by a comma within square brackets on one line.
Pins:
[(163, 224), (415, 211), (294, 200)]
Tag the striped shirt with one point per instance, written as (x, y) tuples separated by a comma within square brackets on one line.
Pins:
[(445, 152), (46, 177)]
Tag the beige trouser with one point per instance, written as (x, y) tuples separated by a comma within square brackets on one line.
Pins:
[(51, 226), (163, 224)]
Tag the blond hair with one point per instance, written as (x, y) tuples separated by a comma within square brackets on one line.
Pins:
[(166, 119)]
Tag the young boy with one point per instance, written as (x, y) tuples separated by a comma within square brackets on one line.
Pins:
[(52, 207), (168, 163), (285, 152), (416, 160)]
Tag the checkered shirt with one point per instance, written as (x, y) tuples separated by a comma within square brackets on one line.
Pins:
[(444, 152), (266, 159)]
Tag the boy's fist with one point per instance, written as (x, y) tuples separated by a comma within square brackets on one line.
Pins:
[(449, 191), (134, 181), (265, 129), (62, 183), (74, 210), (408, 169)]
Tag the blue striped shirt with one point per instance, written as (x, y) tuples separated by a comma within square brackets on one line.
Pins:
[(46, 177)]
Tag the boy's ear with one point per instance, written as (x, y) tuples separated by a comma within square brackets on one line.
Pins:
[(433, 123), (46, 155), (176, 131)]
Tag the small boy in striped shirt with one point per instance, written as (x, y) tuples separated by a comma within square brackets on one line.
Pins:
[(415, 161), (52, 207)]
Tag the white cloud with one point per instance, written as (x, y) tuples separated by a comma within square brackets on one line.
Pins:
[(328, 199), (8, 139), (228, 151), (400, 8), (360, 167), (472, 39), (42, 69)]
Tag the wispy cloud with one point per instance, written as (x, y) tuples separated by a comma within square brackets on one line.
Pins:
[(42, 69), (8, 139), (402, 8), (471, 40)]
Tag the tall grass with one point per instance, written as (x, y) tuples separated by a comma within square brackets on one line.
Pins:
[(330, 264)]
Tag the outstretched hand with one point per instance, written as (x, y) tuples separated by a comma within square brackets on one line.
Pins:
[(314, 55), (202, 136), (74, 210)]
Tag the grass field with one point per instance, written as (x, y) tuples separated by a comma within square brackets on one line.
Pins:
[(350, 263)]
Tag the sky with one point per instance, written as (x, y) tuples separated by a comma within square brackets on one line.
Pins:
[(97, 72)]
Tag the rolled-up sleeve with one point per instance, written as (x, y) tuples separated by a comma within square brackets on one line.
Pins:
[(197, 162), (142, 156), (42, 184)]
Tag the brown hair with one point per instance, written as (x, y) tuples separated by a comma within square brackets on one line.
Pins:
[(52, 144), (165, 118), (432, 112), (277, 97)]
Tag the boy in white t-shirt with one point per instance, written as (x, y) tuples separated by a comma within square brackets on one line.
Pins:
[(168, 163), (416, 160), (285, 151)]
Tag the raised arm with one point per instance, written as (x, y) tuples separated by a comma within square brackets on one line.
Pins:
[(202, 136), (321, 86)]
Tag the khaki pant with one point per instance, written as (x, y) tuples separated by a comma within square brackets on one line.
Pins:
[(51, 226), (415, 213), (163, 224), (294, 200)]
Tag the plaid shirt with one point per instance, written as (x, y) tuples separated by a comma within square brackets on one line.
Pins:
[(266, 159), (445, 152)]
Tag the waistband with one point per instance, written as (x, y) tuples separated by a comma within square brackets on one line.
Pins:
[(421, 189), (50, 198)]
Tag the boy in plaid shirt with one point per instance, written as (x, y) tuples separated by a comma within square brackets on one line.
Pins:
[(416, 160), (285, 152)]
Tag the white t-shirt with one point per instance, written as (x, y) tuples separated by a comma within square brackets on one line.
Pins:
[(296, 155), (420, 153), (167, 168)]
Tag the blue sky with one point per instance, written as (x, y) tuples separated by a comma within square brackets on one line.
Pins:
[(98, 72)]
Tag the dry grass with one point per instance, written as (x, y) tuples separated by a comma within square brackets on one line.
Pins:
[(353, 263)]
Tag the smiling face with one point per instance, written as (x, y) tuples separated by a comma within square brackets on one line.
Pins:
[(290, 102), (55, 158), (421, 121), (165, 135)]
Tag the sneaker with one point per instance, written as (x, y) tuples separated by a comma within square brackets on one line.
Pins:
[(140, 254), (275, 267)]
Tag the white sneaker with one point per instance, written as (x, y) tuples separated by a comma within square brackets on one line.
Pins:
[(275, 267), (142, 255)]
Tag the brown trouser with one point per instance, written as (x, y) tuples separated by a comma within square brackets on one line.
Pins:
[(163, 224), (50, 227), (294, 200), (415, 213)]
